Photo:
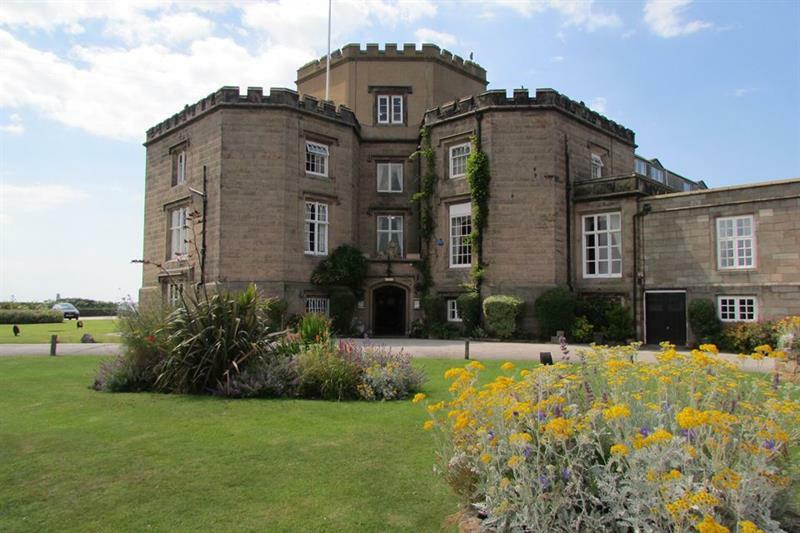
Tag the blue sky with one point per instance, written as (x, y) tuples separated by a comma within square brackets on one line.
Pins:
[(711, 88)]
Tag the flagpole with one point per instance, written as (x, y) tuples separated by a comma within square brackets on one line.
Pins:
[(328, 65)]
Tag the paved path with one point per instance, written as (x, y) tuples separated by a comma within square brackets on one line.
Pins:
[(454, 349), (100, 348), (445, 349)]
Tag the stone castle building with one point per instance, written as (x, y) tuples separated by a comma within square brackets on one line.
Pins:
[(255, 187)]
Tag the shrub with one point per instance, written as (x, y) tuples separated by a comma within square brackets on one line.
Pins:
[(706, 325), (443, 331), (469, 309), (211, 337), (582, 330), (98, 311), (555, 310), (345, 267), (619, 445), (275, 309), (743, 337), (123, 374), (434, 310), (500, 315), (30, 316), (620, 323), (314, 328), (595, 308), (788, 331), (267, 376), (324, 374), (387, 375), (343, 308)]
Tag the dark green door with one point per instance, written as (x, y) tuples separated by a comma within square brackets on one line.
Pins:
[(665, 317)]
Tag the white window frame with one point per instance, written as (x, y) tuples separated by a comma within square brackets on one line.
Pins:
[(452, 311), (452, 157), (735, 308), (181, 171), (389, 232), (388, 167), (175, 288), (458, 213), (178, 232), (597, 247), (393, 114), (317, 155), (597, 166), (318, 304), (315, 228), (735, 240)]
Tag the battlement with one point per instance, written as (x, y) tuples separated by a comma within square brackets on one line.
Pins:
[(391, 51), (254, 97), (544, 98)]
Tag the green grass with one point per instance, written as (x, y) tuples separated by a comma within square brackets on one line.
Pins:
[(72, 459), (102, 330)]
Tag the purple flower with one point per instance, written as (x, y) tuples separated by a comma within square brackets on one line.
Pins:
[(565, 473), (557, 411), (644, 431), (665, 406), (541, 415), (769, 444), (490, 433), (690, 434), (527, 451), (515, 413), (544, 482)]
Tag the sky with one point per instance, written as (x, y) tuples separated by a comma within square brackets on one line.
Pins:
[(711, 88)]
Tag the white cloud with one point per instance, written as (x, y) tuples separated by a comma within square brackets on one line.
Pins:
[(744, 91), (579, 13), (427, 35), (557, 59), (14, 125), (36, 198), (170, 28), (598, 104), (304, 24), (664, 17), (119, 93)]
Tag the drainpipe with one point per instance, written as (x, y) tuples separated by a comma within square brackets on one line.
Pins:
[(568, 202), (637, 274)]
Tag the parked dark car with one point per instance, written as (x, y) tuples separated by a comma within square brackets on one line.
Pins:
[(69, 310)]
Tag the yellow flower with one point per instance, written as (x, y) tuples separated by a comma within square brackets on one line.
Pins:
[(435, 407), (619, 410), (486, 458), (619, 449), (428, 425), (709, 525), (690, 417), (559, 427), (515, 461), (709, 348), (727, 479), (418, 397), (520, 438), (672, 474), (476, 365), (746, 526), (524, 373), (507, 366), (453, 373)]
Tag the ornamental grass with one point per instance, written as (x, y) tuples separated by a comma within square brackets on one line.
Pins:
[(691, 443)]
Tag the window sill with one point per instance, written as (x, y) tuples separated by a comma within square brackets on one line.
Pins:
[(318, 176), (601, 276), (737, 269), (315, 254), (461, 267)]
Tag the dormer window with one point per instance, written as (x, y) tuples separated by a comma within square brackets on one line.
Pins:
[(597, 166), (657, 174), (390, 109)]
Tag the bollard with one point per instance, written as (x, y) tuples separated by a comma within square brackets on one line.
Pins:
[(546, 358), (466, 349), (53, 342)]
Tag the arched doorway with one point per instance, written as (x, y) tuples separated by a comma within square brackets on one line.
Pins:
[(389, 311)]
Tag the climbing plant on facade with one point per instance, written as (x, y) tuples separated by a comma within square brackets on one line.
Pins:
[(478, 180), (424, 198)]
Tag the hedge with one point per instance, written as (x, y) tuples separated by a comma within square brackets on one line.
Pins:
[(555, 310), (500, 315), (28, 316), (98, 311)]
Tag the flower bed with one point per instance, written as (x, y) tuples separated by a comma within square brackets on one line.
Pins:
[(610, 444)]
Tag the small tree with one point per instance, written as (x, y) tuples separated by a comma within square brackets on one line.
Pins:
[(345, 267), (706, 325), (555, 310), (469, 309)]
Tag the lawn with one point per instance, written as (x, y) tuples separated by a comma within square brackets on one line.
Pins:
[(72, 459), (103, 330)]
